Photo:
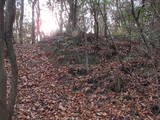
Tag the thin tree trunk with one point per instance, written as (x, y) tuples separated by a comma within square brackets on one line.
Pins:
[(136, 18), (86, 54), (33, 25), (33, 21), (38, 20), (104, 16), (95, 11), (96, 26), (61, 17), (75, 14), (21, 22), (124, 23), (17, 31)]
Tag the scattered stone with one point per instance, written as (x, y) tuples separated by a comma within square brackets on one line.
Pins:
[(117, 85), (127, 97), (94, 87), (80, 71), (145, 83), (89, 91), (92, 81), (126, 70), (155, 109), (63, 78), (77, 88)]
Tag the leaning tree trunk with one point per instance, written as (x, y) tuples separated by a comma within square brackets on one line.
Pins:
[(3, 79), (9, 20)]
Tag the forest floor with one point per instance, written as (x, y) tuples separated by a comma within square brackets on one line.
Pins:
[(50, 92)]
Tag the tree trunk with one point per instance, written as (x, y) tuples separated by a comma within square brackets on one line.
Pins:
[(105, 21), (96, 26), (61, 17), (9, 20), (3, 79), (140, 29), (33, 21), (95, 12), (73, 14), (17, 31), (21, 22), (33, 25), (38, 20)]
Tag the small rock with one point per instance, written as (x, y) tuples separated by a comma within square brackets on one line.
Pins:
[(155, 109), (62, 107)]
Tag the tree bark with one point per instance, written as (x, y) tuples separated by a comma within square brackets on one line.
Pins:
[(136, 18), (9, 20), (3, 79), (21, 22), (33, 22), (95, 11), (73, 4), (104, 17), (38, 21), (33, 25), (61, 17)]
